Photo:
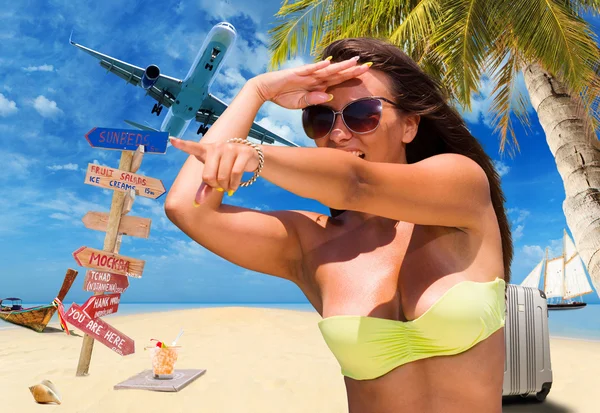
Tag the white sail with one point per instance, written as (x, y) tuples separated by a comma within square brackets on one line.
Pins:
[(533, 279), (554, 281), (569, 247), (576, 282)]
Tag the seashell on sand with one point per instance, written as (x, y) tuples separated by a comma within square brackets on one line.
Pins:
[(45, 392)]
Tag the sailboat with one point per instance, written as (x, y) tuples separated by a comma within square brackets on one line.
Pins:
[(564, 278)]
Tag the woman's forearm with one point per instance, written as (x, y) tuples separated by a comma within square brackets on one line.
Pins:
[(324, 174), (236, 121)]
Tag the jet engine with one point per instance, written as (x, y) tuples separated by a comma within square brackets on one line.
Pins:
[(150, 76)]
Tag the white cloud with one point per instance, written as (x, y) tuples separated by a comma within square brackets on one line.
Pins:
[(501, 167), (66, 167), (15, 165), (517, 233), (46, 107), (226, 9), (533, 252), (7, 107), (42, 68), (61, 217), (518, 217), (522, 214)]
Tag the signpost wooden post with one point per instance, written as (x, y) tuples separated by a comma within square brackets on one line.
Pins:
[(112, 268)]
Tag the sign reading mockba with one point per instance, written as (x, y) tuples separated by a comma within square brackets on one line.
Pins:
[(100, 305), (111, 178), (100, 331), (105, 282), (108, 262)]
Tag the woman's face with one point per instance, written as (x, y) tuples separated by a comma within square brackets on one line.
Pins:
[(387, 142)]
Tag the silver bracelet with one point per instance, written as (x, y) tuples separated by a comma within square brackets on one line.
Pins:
[(261, 159)]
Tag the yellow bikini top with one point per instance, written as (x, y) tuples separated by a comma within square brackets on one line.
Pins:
[(369, 347)]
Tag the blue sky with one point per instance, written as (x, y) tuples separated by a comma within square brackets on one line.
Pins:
[(51, 94)]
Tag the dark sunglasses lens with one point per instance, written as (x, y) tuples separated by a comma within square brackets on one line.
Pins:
[(363, 116), (317, 121)]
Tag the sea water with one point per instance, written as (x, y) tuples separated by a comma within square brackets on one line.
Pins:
[(583, 323)]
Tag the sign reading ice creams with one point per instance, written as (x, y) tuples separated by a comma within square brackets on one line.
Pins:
[(111, 178), (100, 330)]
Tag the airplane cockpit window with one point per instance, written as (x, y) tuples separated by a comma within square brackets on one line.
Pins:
[(215, 53)]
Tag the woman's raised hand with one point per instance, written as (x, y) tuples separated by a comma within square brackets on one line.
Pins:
[(305, 85), (224, 164)]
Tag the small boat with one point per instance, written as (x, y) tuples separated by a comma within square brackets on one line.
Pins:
[(37, 317), (564, 278)]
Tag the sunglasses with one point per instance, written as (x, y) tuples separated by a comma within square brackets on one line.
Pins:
[(360, 116)]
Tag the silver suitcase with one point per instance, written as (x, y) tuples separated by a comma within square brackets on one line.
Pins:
[(527, 368)]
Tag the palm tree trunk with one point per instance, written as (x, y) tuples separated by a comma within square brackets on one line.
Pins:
[(577, 153)]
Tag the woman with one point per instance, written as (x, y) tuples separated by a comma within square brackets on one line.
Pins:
[(409, 272)]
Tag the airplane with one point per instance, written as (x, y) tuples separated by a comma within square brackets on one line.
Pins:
[(189, 98)]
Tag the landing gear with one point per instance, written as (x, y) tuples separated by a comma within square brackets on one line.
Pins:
[(209, 67), (202, 130), (157, 109)]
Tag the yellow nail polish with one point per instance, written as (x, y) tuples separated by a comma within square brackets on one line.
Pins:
[(230, 192), (330, 97), (220, 189), (329, 58), (368, 64), (196, 205)]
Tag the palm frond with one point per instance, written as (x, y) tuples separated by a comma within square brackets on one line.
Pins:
[(507, 99), (561, 40), (416, 28), (462, 39)]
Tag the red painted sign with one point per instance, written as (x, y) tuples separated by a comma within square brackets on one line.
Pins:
[(98, 305), (105, 282), (109, 262), (100, 330)]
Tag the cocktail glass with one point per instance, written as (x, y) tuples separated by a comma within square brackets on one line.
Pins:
[(163, 361)]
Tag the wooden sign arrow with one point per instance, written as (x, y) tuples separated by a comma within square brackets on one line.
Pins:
[(132, 226), (111, 178), (99, 305), (100, 330), (102, 282), (108, 262)]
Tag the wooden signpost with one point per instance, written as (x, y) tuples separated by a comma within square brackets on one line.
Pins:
[(99, 305), (100, 330), (109, 271)]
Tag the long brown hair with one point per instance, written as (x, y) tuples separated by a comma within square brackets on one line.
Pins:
[(441, 128)]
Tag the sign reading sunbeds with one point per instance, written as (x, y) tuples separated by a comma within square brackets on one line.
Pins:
[(100, 330), (105, 282), (100, 305), (128, 139), (109, 262), (111, 178)]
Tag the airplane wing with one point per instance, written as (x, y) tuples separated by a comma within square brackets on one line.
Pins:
[(212, 108), (165, 90)]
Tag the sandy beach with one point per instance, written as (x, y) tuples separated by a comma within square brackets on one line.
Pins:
[(257, 360)]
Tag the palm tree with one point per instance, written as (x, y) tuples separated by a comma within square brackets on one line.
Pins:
[(462, 41)]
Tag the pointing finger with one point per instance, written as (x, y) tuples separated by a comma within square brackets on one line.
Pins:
[(192, 148)]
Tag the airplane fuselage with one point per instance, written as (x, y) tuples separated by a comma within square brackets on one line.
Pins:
[(196, 84)]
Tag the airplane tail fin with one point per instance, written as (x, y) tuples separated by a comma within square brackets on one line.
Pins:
[(140, 126)]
